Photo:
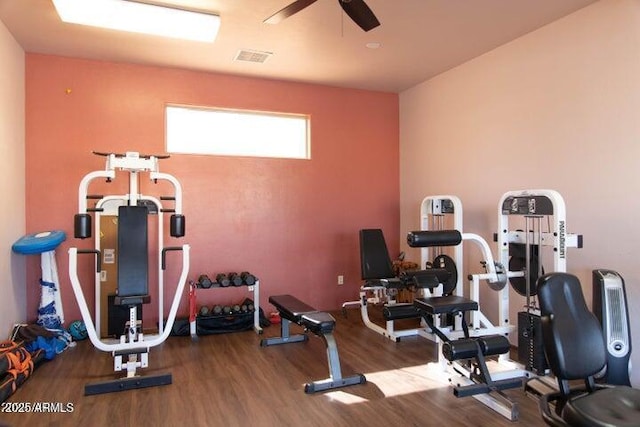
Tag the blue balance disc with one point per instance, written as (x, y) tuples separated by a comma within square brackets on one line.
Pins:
[(38, 243)]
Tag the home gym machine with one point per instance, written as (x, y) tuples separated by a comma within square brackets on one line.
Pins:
[(382, 285), (131, 350), (463, 352), (466, 349), (441, 222), (522, 250)]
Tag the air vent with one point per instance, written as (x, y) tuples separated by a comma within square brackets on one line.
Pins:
[(252, 55)]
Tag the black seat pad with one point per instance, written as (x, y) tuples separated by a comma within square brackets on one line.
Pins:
[(291, 306), (294, 310), (318, 322), (445, 304), (618, 406), (392, 283), (132, 300)]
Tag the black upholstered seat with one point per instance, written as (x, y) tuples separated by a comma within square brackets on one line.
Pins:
[(296, 311), (448, 304), (575, 349), (291, 306)]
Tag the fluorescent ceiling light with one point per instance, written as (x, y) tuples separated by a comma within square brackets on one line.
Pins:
[(125, 15)]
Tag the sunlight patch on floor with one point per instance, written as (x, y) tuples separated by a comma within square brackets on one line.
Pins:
[(397, 382), (345, 398), (413, 379)]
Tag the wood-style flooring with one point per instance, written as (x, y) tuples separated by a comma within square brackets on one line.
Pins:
[(229, 380)]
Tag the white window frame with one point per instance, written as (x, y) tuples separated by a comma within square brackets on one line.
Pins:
[(234, 132)]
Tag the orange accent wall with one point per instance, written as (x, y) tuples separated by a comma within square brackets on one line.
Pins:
[(293, 223)]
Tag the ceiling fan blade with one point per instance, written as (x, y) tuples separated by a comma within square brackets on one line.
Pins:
[(292, 9), (360, 13)]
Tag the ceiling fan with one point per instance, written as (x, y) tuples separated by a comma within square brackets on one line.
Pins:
[(357, 10)]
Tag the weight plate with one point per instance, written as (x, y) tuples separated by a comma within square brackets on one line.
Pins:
[(446, 262), (519, 284)]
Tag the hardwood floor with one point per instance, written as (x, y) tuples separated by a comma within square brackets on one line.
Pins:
[(229, 380)]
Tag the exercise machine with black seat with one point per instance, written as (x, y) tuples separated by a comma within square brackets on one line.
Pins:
[(381, 286), (576, 350), (466, 354), (130, 352), (532, 232), (321, 324), (442, 228), (479, 337)]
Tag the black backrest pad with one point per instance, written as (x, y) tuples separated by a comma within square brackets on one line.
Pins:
[(573, 339), (132, 251), (374, 256)]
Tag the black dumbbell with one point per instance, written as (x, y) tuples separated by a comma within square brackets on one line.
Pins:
[(217, 309), (244, 308), (235, 279), (236, 308), (223, 280), (204, 281), (204, 310), (226, 309), (248, 278)]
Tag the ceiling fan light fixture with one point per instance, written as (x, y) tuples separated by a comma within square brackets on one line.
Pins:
[(357, 10), (144, 18)]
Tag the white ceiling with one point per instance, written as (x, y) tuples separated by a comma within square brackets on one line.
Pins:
[(419, 38)]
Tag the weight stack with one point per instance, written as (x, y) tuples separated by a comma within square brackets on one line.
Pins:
[(530, 344)]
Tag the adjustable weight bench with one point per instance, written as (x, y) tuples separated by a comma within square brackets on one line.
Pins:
[(322, 324)]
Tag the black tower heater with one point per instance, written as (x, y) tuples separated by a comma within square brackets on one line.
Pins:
[(610, 307)]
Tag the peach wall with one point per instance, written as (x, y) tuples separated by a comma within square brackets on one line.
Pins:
[(293, 223), (12, 266), (557, 108)]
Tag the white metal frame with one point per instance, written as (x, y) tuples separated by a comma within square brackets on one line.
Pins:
[(558, 238), (433, 206), (132, 163), (497, 275)]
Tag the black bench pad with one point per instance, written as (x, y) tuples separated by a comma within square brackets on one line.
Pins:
[(319, 322), (445, 304), (291, 306), (294, 310)]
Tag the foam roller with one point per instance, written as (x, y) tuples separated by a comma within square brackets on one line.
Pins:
[(464, 348), (425, 239)]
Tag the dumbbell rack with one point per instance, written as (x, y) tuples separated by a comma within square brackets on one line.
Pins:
[(193, 286)]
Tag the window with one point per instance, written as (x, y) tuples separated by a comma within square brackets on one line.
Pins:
[(194, 130)]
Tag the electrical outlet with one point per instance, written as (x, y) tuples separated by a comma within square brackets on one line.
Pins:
[(341, 280)]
